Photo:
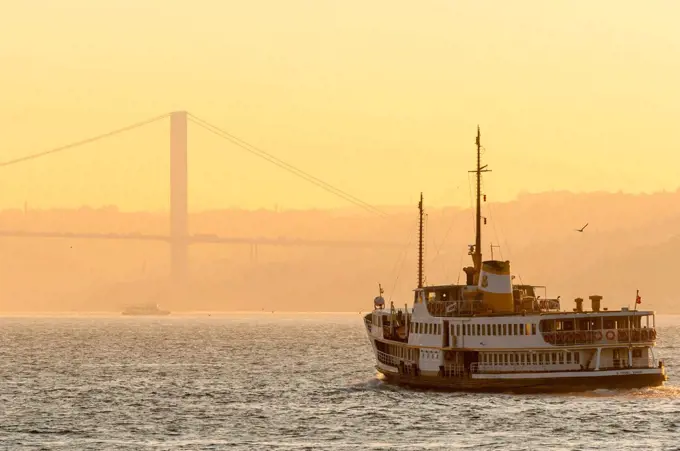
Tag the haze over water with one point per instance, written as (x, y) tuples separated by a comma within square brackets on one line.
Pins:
[(283, 381), (578, 104)]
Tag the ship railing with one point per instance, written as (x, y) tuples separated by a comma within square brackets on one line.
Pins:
[(392, 360), (454, 370), (368, 322), (515, 367), (454, 308), (577, 337)]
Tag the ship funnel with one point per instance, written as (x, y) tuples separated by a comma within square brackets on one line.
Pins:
[(469, 275), (496, 285), (579, 304), (595, 299)]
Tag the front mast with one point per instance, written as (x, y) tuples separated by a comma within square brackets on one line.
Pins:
[(477, 255), (420, 243)]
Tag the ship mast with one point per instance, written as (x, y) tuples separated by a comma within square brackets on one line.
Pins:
[(477, 254), (420, 242)]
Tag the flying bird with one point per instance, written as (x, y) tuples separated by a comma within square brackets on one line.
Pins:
[(582, 228)]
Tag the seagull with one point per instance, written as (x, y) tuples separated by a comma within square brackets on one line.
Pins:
[(582, 228)]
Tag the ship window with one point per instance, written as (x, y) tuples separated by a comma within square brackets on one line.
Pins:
[(540, 359), (505, 329), (561, 355), (457, 329), (533, 359), (505, 357), (527, 330), (514, 329), (577, 357), (637, 353), (493, 329), (488, 329), (479, 332), (554, 358), (533, 329), (512, 358)]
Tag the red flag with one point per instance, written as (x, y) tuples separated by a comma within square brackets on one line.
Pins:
[(638, 299)]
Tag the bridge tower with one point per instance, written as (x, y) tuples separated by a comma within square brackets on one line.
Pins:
[(179, 217)]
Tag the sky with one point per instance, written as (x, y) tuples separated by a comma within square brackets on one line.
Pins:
[(380, 98)]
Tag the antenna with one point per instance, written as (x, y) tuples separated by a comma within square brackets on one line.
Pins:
[(420, 242), (492, 246)]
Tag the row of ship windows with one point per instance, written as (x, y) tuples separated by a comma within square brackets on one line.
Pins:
[(537, 358), (494, 329), (475, 329), (425, 328)]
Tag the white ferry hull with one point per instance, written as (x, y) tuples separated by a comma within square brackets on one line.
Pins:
[(534, 382)]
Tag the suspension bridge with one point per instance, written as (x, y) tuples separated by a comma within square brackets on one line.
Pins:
[(179, 238)]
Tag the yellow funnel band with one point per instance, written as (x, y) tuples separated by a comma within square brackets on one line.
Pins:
[(496, 267)]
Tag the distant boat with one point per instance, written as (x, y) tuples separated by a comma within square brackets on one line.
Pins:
[(145, 310)]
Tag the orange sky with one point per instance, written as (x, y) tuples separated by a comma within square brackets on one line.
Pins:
[(380, 98)]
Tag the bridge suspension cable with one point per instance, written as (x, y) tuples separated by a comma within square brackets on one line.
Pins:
[(83, 142), (284, 165)]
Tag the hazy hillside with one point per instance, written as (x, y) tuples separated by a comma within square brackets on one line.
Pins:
[(631, 243)]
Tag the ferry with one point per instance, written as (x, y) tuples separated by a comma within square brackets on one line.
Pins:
[(491, 334)]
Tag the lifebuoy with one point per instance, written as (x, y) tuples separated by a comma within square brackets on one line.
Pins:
[(610, 335), (598, 335), (570, 337)]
